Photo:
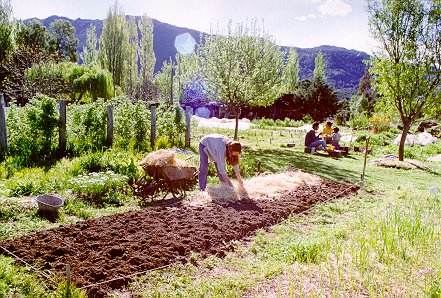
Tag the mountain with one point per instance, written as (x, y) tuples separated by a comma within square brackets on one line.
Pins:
[(344, 67)]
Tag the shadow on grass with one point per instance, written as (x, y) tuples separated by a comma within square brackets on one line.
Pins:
[(277, 160)]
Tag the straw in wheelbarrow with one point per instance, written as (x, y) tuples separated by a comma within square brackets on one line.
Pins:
[(162, 158)]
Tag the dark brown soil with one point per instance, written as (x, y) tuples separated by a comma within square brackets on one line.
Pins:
[(114, 246)]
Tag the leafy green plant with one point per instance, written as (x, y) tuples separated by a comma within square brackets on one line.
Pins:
[(32, 131), (359, 121), (96, 187), (379, 123), (86, 127), (16, 282)]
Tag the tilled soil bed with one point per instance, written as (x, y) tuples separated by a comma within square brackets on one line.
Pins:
[(116, 246)]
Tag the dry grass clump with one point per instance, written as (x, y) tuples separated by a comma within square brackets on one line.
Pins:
[(159, 158), (163, 158), (257, 188), (408, 164)]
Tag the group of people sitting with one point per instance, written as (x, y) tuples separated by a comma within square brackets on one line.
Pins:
[(328, 135)]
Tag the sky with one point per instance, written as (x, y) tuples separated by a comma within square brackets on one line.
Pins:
[(299, 23)]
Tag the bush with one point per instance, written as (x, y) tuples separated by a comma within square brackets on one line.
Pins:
[(97, 188), (170, 123), (359, 121), (32, 131), (268, 123), (131, 125), (119, 162), (87, 127), (379, 123)]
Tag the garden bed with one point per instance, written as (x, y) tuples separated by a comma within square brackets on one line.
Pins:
[(116, 246)]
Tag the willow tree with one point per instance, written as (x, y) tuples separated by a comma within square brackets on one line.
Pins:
[(242, 68), (408, 69), (90, 51), (291, 73), (114, 46)]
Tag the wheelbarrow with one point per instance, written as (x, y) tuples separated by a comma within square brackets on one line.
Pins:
[(162, 181)]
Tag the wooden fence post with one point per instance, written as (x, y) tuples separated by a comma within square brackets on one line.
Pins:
[(363, 175), (3, 130), (62, 128), (68, 281), (188, 113), (109, 125), (153, 125)]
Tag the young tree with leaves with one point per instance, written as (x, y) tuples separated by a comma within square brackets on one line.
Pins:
[(291, 73), (90, 51), (114, 44), (408, 70), (132, 77), (147, 58), (63, 34), (242, 68), (319, 68)]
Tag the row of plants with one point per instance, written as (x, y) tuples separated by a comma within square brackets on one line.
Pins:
[(33, 129), (266, 123)]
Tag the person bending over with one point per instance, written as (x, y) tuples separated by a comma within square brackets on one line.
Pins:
[(217, 148), (312, 141)]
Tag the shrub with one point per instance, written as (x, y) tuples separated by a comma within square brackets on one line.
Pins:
[(359, 121), (32, 131), (87, 127), (119, 162), (26, 182), (96, 188), (170, 123), (131, 125), (379, 123)]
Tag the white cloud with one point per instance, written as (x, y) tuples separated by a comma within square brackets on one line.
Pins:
[(304, 18), (334, 8)]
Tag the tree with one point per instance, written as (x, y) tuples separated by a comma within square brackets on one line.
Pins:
[(33, 45), (68, 80), (319, 68), (6, 36), (365, 101), (188, 76), (90, 51), (6, 30), (147, 58), (63, 34), (291, 73), (132, 77), (408, 70), (164, 80), (242, 68), (114, 44)]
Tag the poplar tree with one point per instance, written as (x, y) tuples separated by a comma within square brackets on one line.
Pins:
[(147, 57), (114, 44), (319, 68), (90, 51), (132, 78), (291, 73)]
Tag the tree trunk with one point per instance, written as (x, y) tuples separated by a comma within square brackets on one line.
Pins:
[(406, 128), (236, 128)]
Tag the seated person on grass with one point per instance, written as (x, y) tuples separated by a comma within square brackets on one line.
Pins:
[(336, 136), (312, 141), (327, 132)]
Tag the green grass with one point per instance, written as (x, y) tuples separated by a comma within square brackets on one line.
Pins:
[(380, 242)]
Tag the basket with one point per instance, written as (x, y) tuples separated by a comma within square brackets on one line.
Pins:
[(49, 203)]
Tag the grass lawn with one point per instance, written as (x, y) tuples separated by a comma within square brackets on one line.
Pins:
[(383, 242)]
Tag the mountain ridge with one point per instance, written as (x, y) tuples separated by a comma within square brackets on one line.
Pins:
[(344, 67)]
